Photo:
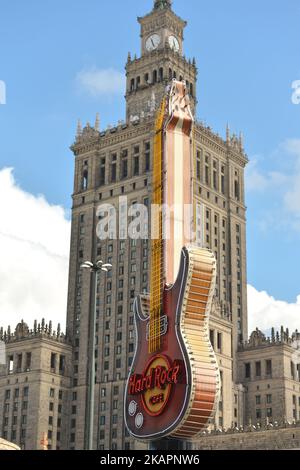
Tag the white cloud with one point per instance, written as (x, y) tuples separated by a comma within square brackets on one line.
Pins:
[(34, 250), (257, 180), (98, 82), (282, 185), (266, 312)]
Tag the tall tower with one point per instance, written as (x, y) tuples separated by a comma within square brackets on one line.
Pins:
[(161, 60), (117, 162)]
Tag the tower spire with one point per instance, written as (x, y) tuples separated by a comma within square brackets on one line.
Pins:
[(161, 4), (79, 129), (97, 122)]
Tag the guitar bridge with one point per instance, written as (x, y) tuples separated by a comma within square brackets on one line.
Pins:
[(163, 327)]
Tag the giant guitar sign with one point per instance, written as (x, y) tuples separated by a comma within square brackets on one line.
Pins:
[(173, 386)]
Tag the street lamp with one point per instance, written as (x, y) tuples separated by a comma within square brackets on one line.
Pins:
[(94, 268)]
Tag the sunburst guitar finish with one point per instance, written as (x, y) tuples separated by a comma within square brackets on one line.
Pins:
[(173, 385)]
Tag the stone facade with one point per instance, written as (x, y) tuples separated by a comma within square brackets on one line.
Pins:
[(270, 372), (35, 386), (269, 438)]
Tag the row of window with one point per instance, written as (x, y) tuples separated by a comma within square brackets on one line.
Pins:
[(117, 166), (256, 369), (19, 362), (157, 76), (16, 393), (211, 173)]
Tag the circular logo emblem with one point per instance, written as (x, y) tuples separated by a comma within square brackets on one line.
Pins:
[(139, 420), (156, 397), (132, 408)]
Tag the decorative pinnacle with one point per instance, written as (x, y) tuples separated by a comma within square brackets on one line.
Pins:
[(227, 133), (162, 4), (97, 122), (79, 129)]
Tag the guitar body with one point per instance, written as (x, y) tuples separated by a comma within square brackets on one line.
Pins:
[(173, 392)]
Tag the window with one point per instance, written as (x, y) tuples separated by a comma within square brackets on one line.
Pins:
[(269, 399), (258, 414), (62, 362), (53, 362), (51, 392), (258, 369), (115, 419), (248, 370), (219, 341), (51, 406), (19, 362), (269, 413), (269, 367), (102, 420), (28, 361), (292, 370), (85, 180), (7, 394), (258, 400), (212, 337), (147, 156), (136, 166)]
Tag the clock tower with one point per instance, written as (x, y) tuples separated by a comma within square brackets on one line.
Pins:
[(161, 60)]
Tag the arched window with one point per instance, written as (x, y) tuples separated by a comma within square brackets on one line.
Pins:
[(132, 85), (170, 74), (138, 82), (154, 76), (161, 74), (85, 180), (174, 74), (146, 78)]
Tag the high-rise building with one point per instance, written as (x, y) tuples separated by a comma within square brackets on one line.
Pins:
[(117, 162), (110, 164)]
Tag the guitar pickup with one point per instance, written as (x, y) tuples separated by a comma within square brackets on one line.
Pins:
[(163, 321)]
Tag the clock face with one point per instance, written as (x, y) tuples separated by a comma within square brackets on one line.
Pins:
[(174, 43), (153, 42)]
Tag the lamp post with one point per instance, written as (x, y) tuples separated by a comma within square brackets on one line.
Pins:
[(94, 268)]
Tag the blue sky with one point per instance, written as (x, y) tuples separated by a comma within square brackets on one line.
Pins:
[(248, 55)]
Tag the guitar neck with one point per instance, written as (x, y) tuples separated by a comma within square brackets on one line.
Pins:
[(157, 270), (172, 187)]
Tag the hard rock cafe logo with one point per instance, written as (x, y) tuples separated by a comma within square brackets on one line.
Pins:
[(155, 384)]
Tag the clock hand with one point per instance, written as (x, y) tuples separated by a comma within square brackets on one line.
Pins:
[(152, 42)]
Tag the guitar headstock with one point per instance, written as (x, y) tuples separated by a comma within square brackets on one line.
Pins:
[(179, 103)]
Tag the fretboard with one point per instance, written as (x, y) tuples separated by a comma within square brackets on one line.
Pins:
[(157, 272)]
